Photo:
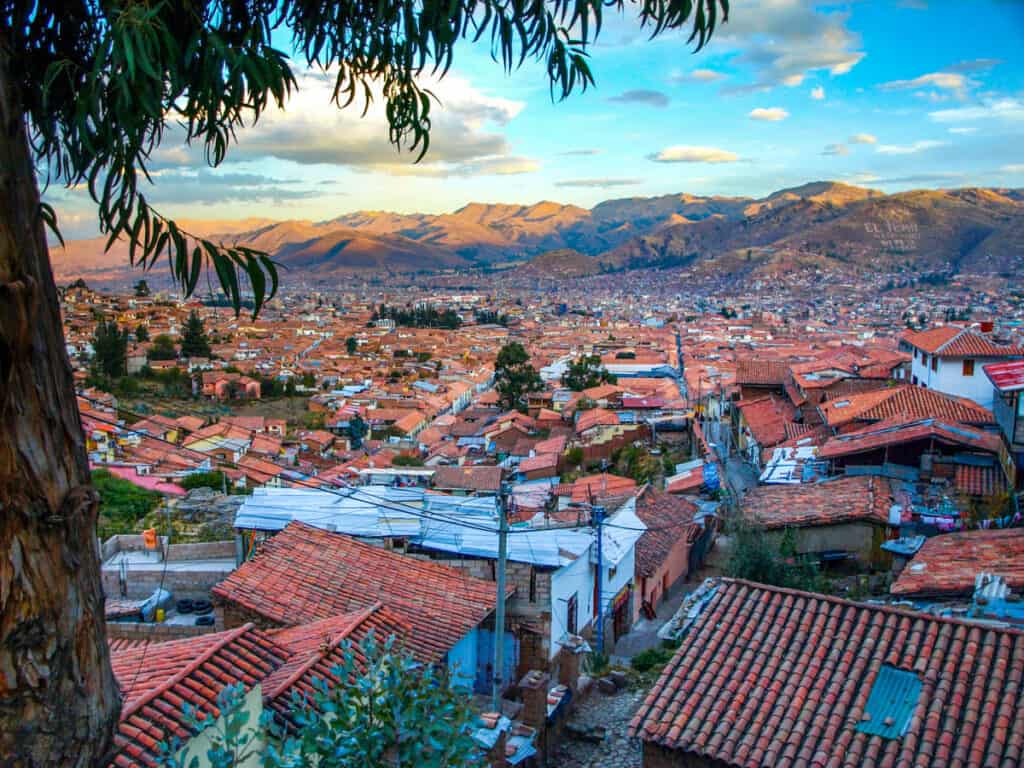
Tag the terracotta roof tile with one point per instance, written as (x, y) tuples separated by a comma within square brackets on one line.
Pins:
[(668, 519), (906, 401), (304, 574), (157, 679), (947, 564), (757, 372), (771, 676), (842, 500)]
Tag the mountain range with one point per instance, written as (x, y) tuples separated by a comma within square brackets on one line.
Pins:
[(970, 229)]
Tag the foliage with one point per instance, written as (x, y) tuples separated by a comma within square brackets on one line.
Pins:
[(308, 380), (651, 658), (586, 372), (215, 480), (514, 377), (596, 664), (141, 333), (141, 289), (351, 345), (174, 382), (490, 317), (385, 710), (407, 460), (419, 316), (357, 430), (636, 462), (162, 348), (753, 558), (110, 349), (194, 342), (122, 504), (574, 456)]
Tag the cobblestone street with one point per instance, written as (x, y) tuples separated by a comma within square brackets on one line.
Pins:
[(615, 751)]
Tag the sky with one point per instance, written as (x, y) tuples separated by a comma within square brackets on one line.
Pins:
[(891, 94)]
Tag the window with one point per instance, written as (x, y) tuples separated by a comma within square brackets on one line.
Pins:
[(935, 363), (570, 615), (968, 367), (924, 359), (533, 584)]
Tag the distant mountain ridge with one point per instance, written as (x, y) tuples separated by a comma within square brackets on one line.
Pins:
[(972, 228)]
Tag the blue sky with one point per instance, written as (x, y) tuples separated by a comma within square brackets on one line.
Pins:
[(892, 94)]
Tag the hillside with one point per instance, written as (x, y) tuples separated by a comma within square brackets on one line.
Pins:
[(961, 229)]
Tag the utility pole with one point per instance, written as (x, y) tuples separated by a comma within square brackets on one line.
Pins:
[(598, 512), (499, 611)]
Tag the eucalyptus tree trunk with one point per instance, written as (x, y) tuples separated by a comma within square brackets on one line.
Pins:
[(58, 698)]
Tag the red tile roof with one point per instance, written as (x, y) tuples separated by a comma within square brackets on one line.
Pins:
[(843, 500), (157, 679), (316, 649), (947, 564), (766, 418), (599, 487), (768, 676), (1006, 377), (906, 401), (899, 430), (468, 478), (304, 574), (757, 372), (668, 519), (953, 341)]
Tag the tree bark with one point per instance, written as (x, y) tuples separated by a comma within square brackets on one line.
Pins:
[(58, 698)]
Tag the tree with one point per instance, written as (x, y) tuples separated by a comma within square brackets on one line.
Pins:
[(110, 349), (194, 342), (514, 377), (141, 333), (141, 289), (162, 348), (122, 504), (586, 372), (351, 345), (87, 91), (357, 430)]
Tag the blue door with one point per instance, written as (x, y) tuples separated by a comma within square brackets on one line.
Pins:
[(485, 660)]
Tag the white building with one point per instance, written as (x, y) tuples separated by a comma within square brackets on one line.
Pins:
[(949, 358)]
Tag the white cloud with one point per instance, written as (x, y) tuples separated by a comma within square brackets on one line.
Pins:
[(947, 81), (863, 138), (963, 130), (690, 154), (1008, 108), (768, 114), (818, 94), (835, 149), (908, 149), (597, 183), (465, 135), (697, 76), (1013, 168), (785, 40)]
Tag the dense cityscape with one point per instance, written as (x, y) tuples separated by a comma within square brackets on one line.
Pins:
[(488, 385)]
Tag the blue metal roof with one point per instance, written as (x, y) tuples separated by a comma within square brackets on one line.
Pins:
[(891, 702)]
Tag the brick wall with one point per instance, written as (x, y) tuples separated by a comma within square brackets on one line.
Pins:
[(153, 632), (143, 583), (229, 615), (207, 550)]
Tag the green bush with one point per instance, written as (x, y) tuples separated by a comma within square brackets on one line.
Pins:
[(122, 504), (647, 660)]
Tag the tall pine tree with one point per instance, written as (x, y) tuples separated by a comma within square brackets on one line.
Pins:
[(194, 342), (110, 349)]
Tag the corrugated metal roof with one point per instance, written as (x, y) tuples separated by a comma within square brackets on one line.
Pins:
[(891, 702)]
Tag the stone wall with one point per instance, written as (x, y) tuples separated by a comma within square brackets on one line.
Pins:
[(207, 550), (655, 756)]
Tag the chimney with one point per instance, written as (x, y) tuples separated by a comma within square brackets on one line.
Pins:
[(534, 686)]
